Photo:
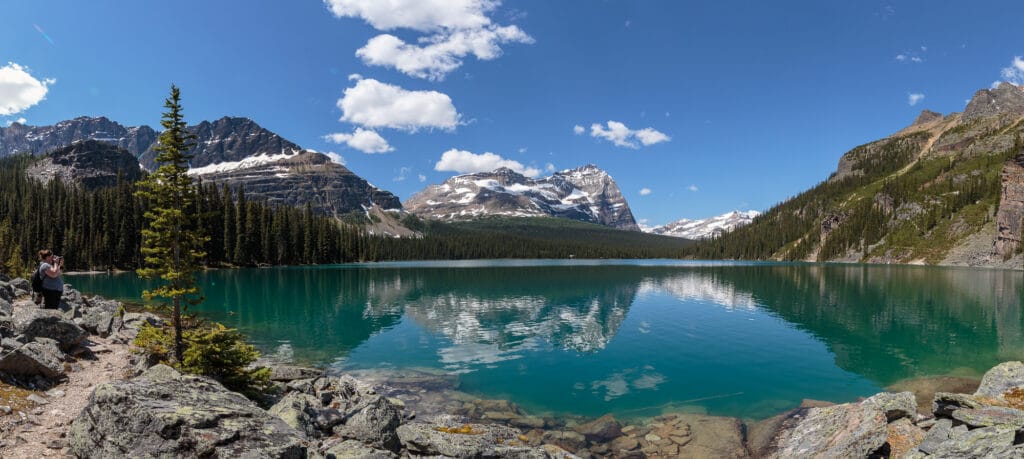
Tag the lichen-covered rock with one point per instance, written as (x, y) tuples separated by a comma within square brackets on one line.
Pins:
[(6, 308), (47, 323), (163, 413), (602, 429), (945, 403), (445, 437), (352, 449), (902, 437), (1000, 379), (894, 405), (137, 319), (848, 430), (34, 358), (286, 373), (20, 285), (299, 411), (990, 416), (996, 441), (936, 436), (374, 424)]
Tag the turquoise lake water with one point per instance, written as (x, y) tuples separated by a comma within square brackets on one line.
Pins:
[(626, 337)]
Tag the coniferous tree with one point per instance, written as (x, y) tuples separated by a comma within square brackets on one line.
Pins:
[(172, 244)]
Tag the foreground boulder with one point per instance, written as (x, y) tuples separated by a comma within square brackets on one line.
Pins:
[(446, 437), (47, 323), (163, 413), (847, 430)]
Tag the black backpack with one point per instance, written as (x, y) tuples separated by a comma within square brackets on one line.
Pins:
[(37, 281)]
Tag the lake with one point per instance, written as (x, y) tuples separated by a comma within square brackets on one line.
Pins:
[(627, 337)]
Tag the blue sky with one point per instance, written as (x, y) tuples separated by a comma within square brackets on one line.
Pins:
[(695, 108)]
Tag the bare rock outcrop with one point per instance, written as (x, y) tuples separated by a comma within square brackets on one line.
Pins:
[(165, 413), (1011, 208)]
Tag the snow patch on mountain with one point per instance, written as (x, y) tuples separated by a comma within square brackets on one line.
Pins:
[(705, 228)]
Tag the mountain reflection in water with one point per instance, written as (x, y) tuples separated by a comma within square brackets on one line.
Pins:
[(628, 334)]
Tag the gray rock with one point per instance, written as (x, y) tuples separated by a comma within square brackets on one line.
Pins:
[(432, 439), (847, 430), (286, 373), (38, 400), (602, 429), (20, 284), (6, 291), (996, 441), (352, 449), (989, 416), (10, 344), (6, 308), (299, 411), (136, 319), (894, 405), (945, 403), (163, 413), (374, 424), (31, 323), (34, 359), (1002, 378)]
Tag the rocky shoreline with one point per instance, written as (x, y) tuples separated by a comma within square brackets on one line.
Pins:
[(73, 389)]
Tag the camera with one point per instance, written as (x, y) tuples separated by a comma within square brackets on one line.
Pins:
[(58, 258)]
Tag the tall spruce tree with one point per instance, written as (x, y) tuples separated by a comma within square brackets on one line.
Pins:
[(172, 243)]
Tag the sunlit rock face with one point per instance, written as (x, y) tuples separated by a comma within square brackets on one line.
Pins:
[(587, 194)]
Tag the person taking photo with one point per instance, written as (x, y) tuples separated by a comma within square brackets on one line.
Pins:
[(51, 267)]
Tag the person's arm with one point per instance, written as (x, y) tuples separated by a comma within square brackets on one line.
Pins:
[(55, 268)]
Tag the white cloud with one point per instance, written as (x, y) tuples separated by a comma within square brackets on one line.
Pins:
[(423, 178), (901, 57), (465, 162), (549, 167), (422, 15), (645, 191), (623, 136), (364, 140), (914, 98), (437, 55), (335, 157), (522, 149), (403, 173), (692, 188), (578, 130), (19, 121), (19, 90), (355, 77), (373, 104), (1015, 72)]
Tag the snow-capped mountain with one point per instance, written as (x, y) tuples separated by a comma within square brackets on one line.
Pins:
[(587, 194), (708, 227), (231, 151)]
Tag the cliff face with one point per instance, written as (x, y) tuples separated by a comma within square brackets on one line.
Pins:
[(587, 194), (19, 138), (299, 178), (91, 164), (1011, 208)]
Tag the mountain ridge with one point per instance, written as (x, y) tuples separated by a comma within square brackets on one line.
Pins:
[(586, 193), (704, 228)]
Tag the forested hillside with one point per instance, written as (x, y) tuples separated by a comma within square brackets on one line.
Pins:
[(99, 229), (916, 196)]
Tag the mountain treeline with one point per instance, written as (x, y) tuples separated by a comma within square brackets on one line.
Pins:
[(893, 205), (100, 230)]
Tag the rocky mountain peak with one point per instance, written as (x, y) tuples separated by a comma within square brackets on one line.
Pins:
[(1004, 99), (229, 139), (927, 116), (586, 194), (705, 228), (89, 163), (19, 138)]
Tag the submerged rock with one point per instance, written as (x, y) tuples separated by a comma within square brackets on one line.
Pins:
[(164, 413), (602, 429)]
